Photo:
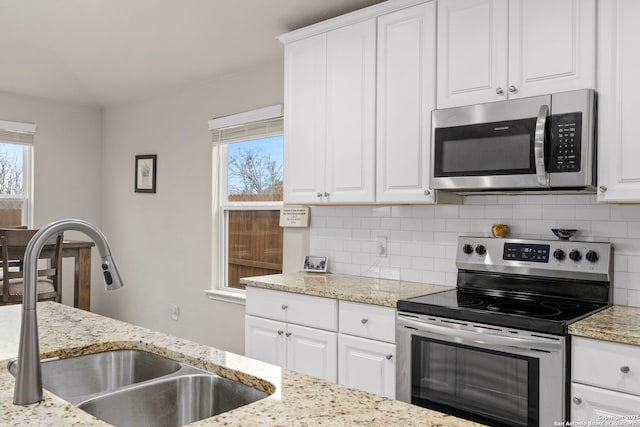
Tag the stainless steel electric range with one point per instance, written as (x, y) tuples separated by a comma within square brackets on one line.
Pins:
[(496, 348)]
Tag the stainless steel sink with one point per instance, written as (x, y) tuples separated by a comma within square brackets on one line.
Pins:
[(137, 388), (77, 378), (171, 402)]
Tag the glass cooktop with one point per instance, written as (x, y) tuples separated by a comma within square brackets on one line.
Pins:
[(551, 315)]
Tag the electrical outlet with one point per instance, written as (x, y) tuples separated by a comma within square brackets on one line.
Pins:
[(381, 246), (174, 310)]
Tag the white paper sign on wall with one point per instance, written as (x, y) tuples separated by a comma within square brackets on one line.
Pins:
[(294, 216)]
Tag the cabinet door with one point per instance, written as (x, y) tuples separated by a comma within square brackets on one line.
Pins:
[(559, 58), (406, 96), (618, 108), (601, 406), (350, 143), (312, 352), (305, 119), (265, 340), (472, 51), (367, 365)]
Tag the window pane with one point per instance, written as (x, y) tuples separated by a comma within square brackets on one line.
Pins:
[(255, 170), (11, 165), (12, 203), (255, 244)]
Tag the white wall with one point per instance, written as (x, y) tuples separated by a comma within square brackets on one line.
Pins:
[(162, 242), (422, 240), (67, 164)]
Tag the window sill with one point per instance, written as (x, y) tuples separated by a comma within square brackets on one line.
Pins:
[(226, 296)]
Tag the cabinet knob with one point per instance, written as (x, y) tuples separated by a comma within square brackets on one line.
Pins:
[(319, 194), (389, 356), (500, 91), (285, 306), (624, 369), (288, 334), (603, 188), (577, 400), (513, 89), (326, 194), (280, 332), (364, 321), (427, 192)]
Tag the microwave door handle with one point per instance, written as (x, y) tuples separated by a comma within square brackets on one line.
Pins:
[(539, 148)]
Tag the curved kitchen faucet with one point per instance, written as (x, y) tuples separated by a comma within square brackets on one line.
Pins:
[(29, 374)]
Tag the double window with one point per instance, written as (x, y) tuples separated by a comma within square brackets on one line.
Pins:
[(16, 158), (247, 186)]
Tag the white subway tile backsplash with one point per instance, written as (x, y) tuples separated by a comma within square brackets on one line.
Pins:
[(422, 240)]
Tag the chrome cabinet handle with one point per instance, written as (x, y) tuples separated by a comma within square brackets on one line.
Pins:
[(427, 192), (538, 150), (389, 356), (364, 321), (288, 334), (319, 194), (624, 369), (285, 306), (280, 332), (577, 400), (500, 91), (603, 188), (513, 89), (326, 194)]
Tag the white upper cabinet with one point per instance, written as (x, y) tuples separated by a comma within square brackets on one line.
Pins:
[(406, 96), (492, 50), (618, 107), (304, 119), (330, 117)]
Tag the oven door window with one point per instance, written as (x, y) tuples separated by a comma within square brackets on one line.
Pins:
[(482, 385), (498, 148)]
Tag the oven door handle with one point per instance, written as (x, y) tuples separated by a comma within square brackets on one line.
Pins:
[(539, 148), (483, 339)]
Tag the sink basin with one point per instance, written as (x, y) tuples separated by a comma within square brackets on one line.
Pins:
[(171, 402), (77, 378), (137, 388)]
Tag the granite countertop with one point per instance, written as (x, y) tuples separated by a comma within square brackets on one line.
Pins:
[(342, 287), (297, 400), (619, 324)]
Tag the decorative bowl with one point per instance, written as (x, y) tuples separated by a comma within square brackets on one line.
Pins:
[(563, 233), (499, 230)]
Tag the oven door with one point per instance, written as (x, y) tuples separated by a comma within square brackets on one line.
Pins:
[(496, 376), (498, 145)]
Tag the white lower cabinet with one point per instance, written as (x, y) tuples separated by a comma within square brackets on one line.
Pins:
[(598, 405), (367, 365), (605, 387), (300, 333)]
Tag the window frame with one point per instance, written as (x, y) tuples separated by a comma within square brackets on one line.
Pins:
[(222, 206)]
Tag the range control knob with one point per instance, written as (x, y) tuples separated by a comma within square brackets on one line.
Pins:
[(575, 255), (592, 256), (481, 250), (467, 249), (559, 254)]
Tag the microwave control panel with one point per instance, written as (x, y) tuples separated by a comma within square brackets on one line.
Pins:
[(566, 137)]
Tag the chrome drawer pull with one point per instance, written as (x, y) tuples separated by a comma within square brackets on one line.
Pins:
[(624, 369), (364, 321), (389, 356), (285, 306), (288, 334), (280, 332), (577, 401)]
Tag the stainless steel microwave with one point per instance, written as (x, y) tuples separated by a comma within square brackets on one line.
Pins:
[(537, 143)]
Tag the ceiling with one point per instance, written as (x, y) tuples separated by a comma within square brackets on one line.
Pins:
[(110, 52)]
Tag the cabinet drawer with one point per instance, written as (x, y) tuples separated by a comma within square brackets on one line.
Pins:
[(316, 312), (368, 321), (606, 364)]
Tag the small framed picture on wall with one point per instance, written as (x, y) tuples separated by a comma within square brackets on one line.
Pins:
[(146, 173)]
